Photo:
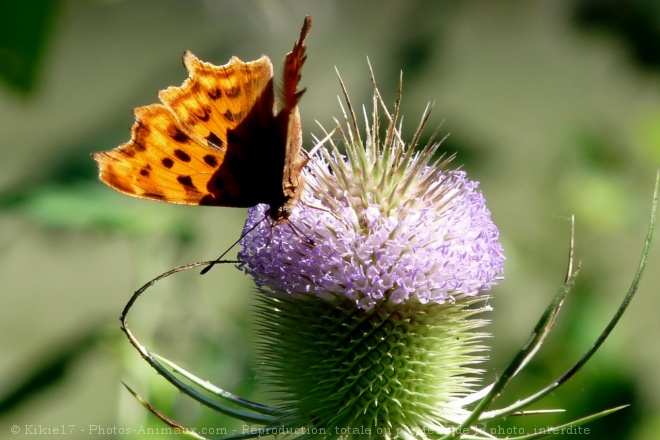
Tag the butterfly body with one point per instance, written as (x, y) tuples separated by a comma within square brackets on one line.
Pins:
[(223, 138)]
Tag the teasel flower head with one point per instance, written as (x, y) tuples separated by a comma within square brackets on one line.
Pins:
[(368, 294)]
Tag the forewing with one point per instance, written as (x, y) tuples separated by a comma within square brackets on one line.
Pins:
[(186, 150)]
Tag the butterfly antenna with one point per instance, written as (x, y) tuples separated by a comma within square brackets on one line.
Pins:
[(219, 259)]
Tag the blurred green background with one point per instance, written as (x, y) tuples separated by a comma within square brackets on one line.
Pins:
[(554, 106)]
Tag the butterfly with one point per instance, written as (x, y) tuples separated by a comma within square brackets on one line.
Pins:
[(223, 138)]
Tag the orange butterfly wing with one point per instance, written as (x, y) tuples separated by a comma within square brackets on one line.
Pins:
[(217, 139), (180, 151)]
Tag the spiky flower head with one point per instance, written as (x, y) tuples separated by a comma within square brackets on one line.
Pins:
[(369, 293)]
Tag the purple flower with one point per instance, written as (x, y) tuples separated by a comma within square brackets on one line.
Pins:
[(410, 231)]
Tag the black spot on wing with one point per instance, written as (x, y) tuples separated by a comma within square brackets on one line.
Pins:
[(167, 162), (187, 183), (214, 140), (214, 93), (182, 155), (178, 135), (211, 160)]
